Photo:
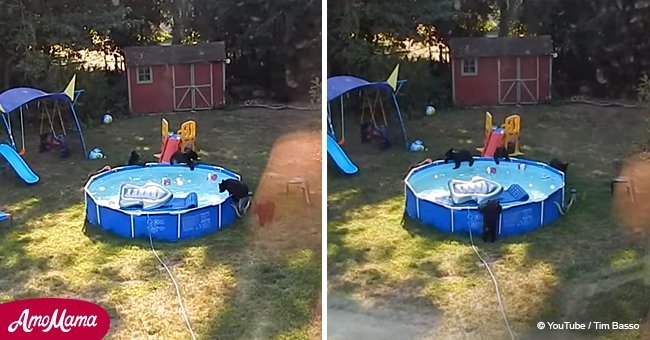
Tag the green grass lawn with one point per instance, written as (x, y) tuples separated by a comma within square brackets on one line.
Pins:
[(234, 283), (581, 268)]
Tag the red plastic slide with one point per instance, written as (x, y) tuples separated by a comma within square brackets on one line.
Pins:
[(171, 145), (494, 140)]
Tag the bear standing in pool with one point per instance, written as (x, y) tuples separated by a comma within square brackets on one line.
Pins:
[(491, 212), (458, 157)]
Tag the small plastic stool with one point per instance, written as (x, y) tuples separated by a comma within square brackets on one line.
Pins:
[(627, 182), (304, 185)]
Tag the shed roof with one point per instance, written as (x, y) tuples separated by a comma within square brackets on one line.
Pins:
[(174, 54), (501, 46)]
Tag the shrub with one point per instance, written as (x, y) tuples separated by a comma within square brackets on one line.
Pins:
[(103, 91), (643, 90)]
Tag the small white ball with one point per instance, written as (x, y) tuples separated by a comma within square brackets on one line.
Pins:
[(430, 110), (107, 119)]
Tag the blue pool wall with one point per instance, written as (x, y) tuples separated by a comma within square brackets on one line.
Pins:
[(171, 226), (515, 219)]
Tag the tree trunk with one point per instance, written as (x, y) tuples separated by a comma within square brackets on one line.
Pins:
[(504, 20), (178, 14)]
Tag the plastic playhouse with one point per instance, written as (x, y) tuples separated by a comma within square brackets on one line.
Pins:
[(182, 140), (506, 135)]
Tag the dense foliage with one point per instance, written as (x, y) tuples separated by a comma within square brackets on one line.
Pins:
[(274, 45), (603, 46)]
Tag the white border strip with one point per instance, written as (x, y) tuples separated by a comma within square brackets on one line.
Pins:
[(220, 216), (132, 227), (451, 211), (500, 223), (178, 227)]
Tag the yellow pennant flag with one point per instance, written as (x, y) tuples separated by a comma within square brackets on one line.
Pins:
[(392, 80), (69, 90)]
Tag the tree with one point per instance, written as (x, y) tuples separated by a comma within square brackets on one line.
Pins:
[(604, 45), (275, 44), (42, 32)]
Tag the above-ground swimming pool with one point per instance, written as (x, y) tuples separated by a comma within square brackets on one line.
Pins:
[(196, 206), (428, 197)]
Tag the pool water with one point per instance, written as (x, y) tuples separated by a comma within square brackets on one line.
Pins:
[(432, 184), (180, 181)]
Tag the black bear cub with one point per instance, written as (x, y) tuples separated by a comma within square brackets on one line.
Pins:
[(237, 189), (134, 159), (557, 164), (458, 157), (240, 194), (190, 157), (501, 152), (491, 212)]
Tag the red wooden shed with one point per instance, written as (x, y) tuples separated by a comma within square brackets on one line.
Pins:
[(501, 71), (175, 77)]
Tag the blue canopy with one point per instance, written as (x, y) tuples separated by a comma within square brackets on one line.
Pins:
[(340, 85), (13, 99)]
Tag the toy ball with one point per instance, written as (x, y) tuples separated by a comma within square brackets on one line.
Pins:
[(166, 181), (107, 119), (212, 177), (430, 110), (416, 147), (95, 153), (491, 170)]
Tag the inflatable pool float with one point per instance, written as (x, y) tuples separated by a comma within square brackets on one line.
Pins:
[(477, 189), (149, 196)]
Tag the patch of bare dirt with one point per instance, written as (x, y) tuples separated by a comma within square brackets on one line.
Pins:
[(394, 319), (632, 209), (296, 224), (632, 197)]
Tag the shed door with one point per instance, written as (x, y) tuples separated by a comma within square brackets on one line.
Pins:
[(518, 80), (192, 86)]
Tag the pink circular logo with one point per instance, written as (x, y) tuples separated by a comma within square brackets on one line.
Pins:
[(53, 318)]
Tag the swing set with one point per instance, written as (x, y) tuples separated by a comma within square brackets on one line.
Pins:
[(373, 127), (371, 130), (51, 139), (14, 101)]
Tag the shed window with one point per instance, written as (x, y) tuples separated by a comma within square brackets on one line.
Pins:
[(144, 75), (468, 67)]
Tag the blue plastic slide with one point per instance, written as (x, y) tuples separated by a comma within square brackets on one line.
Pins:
[(339, 157), (18, 164)]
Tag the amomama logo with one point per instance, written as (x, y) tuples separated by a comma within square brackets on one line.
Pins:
[(53, 318)]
